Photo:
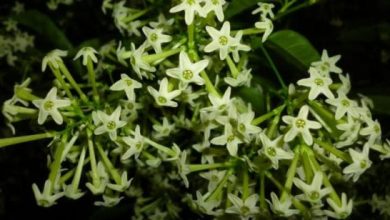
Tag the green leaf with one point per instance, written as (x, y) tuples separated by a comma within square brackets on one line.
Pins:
[(238, 6), (45, 27), (255, 96), (294, 48), (381, 104)]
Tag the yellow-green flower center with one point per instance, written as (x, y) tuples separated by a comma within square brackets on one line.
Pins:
[(271, 151), (111, 125), (215, 2), (345, 103), (241, 127), (314, 195), (48, 105), (244, 210), (319, 82), (129, 82), (363, 164), (223, 40), (230, 138), (190, 2), (153, 37), (188, 74), (214, 178), (300, 123), (162, 100)]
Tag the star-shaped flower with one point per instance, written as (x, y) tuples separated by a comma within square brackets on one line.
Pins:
[(46, 198), (128, 85), (343, 105), (187, 71), (313, 192), (340, 212), (49, 106), (318, 84), (228, 138), (190, 7), (327, 64), (155, 38), (110, 123), (361, 162), (245, 208), (264, 9), (282, 208), (273, 151), (300, 125), (267, 25), (216, 6), (87, 52), (222, 40), (164, 97), (136, 144), (53, 58)]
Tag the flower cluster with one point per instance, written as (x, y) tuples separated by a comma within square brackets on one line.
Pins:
[(161, 119)]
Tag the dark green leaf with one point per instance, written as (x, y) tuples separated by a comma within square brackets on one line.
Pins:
[(238, 6), (381, 104), (255, 96), (294, 48), (45, 27)]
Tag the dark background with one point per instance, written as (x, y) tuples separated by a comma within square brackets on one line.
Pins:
[(359, 30)]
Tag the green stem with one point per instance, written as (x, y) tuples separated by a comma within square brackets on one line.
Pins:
[(136, 15), (72, 82), (307, 166), (201, 167), (290, 175), (273, 67), (55, 166), (232, 66), (57, 74), (92, 79), (245, 184), (79, 170), (25, 94), (331, 149), (20, 110), (293, 9), (248, 31), (191, 35), (214, 195), (91, 152), (107, 163), (155, 57), (4, 142), (263, 204), (269, 115)]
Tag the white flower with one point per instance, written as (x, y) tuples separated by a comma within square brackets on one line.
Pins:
[(361, 162), (327, 64), (228, 138), (136, 144), (187, 71), (46, 198), (123, 185), (244, 124), (281, 208), (216, 6), (87, 52), (207, 205), (264, 9), (53, 58), (128, 85), (183, 168), (155, 38), (222, 40), (109, 201), (238, 46), (49, 106), (243, 79), (345, 84), (300, 125), (245, 208), (313, 192), (219, 103), (273, 151), (133, 28), (110, 123), (190, 7), (340, 212), (351, 132), (318, 84), (164, 129), (343, 106), (372, 130), (214, 177), (137, 62), (268, 27), (164, 97), (162, 22)]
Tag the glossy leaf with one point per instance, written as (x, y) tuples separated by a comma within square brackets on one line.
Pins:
[(238, 6), (294, 48)]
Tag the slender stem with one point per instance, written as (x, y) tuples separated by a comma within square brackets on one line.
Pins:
[(160, 147), (221, 184), (191, 35), (263, 203), (154, 57), (92, 79), (136, 15), (248, 31), (245, 184), (201, 167), (290, 175), (269, 115), (79, 170), (232, 66), (4, 142), (307, 166), (57, 74), (73, 82), (55, 166), (91, 152), (273, 67), (107, 163), (330, 148), (25, 95)]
